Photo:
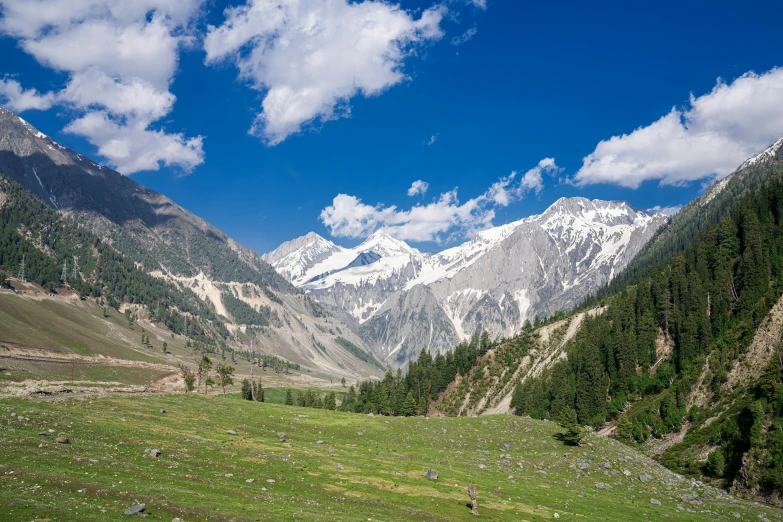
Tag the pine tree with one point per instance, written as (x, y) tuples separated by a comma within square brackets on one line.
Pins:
[(246, 391), (409, 406), (573, 431), (624, 431), (289, 397)]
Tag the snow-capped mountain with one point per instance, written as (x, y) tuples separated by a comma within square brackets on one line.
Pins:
[(401, 300)]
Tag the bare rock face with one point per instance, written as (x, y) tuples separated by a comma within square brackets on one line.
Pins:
[(400, 300)]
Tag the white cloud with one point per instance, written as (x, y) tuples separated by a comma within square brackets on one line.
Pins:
[(708, 139), (504, 193), (348, 216), (133, 147), (666, 211), (432, 140), (17, 99), (481, 4), (464, 37), (310, 57), (418, 187), (121, 57)]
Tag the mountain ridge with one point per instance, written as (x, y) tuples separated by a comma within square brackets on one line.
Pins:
[(173, 244), (469, 287)]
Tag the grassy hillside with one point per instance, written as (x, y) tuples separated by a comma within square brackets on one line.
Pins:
[(363, 468)]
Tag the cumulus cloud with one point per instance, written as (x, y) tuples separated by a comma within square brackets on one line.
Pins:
[(133, 147), (348, 216), (13, 96), (418, 187), (432, 140), (310, 57), (708, 139), (120, 58), (481, 4), (666, 211), (464, 37)]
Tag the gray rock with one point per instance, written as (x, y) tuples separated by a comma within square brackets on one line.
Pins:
[(645, 478), (135, 509), (281, 436), (231, 432), (601, 485), (655, 501), (432, 474), (339, 466), (154, 453), (62, 440), (44, 433), (604, 465)]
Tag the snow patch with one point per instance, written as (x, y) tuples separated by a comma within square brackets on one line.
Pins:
[(39, 179)]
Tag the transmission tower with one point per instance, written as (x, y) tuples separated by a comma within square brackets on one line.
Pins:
[(64, 276), (186, 326), (21, 270), (75, 275)]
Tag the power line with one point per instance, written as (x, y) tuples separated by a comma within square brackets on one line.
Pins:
[(21, 270)]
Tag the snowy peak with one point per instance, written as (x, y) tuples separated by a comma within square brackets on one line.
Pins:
[(310, 241), (386, 246), (764, 155), (576, 211), (294, 259), (401, 299)]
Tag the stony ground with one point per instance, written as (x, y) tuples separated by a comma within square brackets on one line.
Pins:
[(225, 459)]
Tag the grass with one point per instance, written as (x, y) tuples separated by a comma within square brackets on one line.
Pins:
[(366, 468), (20, 370), (277, 395), (64, 328)]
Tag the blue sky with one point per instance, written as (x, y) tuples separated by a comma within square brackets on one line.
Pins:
[(533, 81)]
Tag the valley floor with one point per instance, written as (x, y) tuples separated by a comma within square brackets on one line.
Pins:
[(223, 459)]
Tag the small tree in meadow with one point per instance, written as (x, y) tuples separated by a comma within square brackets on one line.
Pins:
[(225, 374), (188, 377)]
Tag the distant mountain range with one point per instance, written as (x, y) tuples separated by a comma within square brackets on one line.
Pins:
[(173, 244), (400, 300)]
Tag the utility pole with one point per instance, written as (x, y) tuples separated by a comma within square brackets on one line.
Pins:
[(64, 275), (21, 270)]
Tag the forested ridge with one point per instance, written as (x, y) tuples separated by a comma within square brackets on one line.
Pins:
[(47, 241), (698, 293), (708, 300)]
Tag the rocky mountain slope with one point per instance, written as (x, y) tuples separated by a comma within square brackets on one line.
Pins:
[(258, 305), (401, 300)]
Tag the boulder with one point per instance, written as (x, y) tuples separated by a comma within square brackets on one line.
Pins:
[(432, 474), (62, 440), (135, 509)]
